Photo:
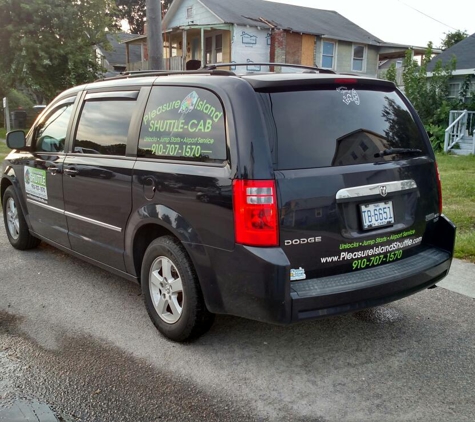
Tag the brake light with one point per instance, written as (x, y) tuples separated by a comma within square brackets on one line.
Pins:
[(256, 221), (439, 188), (346, 81)]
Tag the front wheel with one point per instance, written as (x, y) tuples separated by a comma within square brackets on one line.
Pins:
[(172, 293), (15, 224)]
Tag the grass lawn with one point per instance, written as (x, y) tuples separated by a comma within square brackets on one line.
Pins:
[(458, 192), (4, 150)]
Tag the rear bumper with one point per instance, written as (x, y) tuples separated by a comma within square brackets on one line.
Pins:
[(255, 283), (351, 292)]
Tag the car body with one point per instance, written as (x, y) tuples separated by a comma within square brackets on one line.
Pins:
[(276, 197)]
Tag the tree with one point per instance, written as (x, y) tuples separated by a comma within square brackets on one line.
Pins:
[(452, 38), (48, 45), (134, 12), (429, 95)]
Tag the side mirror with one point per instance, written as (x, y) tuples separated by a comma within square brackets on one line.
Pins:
[(16, 139)]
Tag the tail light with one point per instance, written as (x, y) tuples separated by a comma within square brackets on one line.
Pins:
[(256, 221), (439, 188)]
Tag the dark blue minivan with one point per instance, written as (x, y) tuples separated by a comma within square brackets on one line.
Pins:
[(278, 197)]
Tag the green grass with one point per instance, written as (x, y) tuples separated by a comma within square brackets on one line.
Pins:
[(4, 150), (458, 192)]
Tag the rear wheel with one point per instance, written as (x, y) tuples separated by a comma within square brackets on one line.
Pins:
[(172, 292), (15, 224)]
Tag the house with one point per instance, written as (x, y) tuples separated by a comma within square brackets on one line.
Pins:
[(114, 58), (253, 31), (464, 52), (461, 128)]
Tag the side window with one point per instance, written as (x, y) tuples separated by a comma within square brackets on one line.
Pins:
[(104, 124), (183, 123), (51, 134)]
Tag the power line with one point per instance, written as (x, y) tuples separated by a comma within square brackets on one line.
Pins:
[(426, 15)]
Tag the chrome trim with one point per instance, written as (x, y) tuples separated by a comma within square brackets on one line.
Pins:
[(369, 190), (72, 215), (48, 207), (90, 220), (131, 95)]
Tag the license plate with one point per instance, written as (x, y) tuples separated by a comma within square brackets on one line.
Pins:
[(378, 214)]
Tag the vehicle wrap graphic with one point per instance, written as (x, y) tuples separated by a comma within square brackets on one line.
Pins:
[(191, 127), (377, 253), (35, 184)]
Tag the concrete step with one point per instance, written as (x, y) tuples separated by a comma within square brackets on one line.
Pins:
[(462, 151)]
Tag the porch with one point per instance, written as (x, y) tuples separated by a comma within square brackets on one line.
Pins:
[(460, 134), (203, 43)]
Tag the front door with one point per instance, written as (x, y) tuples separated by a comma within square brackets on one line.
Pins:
[(42, 174), (98, 176)]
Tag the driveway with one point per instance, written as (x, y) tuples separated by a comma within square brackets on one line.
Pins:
[(79, 339)]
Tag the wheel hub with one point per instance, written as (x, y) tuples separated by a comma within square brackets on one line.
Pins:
[(166, 289)]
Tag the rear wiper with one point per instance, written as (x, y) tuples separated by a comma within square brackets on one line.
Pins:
[(392, 151)]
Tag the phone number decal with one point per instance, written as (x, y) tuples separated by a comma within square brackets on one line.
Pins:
[(376, 260)]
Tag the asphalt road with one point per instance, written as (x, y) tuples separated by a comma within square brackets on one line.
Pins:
[(79, 339)]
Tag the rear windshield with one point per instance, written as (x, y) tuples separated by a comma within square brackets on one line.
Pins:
[(338, 126)]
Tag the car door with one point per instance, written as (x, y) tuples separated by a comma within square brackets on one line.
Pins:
[(98, 174), (42, 173)]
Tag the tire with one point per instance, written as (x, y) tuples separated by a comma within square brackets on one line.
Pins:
[(172, 293), (15, 224)]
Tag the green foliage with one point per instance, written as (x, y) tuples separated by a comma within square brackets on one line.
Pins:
[(429, 95), (452, 38), (17, 99), (134, 12), (391, 74), (48, 45)]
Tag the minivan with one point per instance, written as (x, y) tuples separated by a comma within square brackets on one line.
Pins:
[(279, 197)]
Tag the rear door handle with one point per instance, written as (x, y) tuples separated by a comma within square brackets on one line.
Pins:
[(71, 172)]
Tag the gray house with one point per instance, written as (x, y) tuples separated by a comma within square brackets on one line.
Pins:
[(114, 57), (251, 31), (461, 129), (464, 52)]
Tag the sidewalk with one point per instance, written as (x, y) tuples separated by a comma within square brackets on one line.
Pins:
[(461, 278)]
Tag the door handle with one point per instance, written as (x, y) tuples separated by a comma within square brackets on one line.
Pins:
[(53, 170), (71, 172)]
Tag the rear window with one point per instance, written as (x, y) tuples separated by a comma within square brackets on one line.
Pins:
[(338, 127)]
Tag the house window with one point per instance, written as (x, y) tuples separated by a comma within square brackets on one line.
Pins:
[(328, 54), (189, 12), (214, 48), (363, 146), (219, 48), (454, 90), (358, 58), (209, 49)]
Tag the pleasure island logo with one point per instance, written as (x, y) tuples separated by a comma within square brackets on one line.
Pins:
[(188, 104)]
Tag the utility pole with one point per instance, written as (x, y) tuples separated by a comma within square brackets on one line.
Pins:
[(6, 114), (154, 34)]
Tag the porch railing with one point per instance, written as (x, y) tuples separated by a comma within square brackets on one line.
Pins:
[(172, 63), (461, 124)]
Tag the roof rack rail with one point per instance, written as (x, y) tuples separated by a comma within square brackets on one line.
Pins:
[(298, 66), (212, 69), (144, 73)]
